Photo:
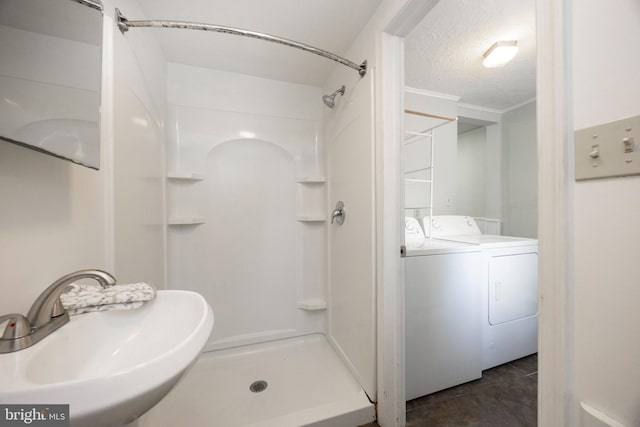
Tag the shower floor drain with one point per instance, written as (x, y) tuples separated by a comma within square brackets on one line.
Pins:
[(258, 386)]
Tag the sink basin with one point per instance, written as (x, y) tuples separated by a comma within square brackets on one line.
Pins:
[(111, 367)]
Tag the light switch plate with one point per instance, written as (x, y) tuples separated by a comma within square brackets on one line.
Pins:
[(608, 150)]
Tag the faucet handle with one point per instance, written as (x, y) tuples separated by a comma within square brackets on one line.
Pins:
[(58, 309), (17, 326)]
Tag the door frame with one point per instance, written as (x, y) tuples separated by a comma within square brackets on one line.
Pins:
[(390, 211), (554, 211)]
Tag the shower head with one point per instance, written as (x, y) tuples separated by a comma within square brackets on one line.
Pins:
[(330, 100)]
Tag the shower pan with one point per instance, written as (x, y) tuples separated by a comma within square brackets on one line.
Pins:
[(285, 383)]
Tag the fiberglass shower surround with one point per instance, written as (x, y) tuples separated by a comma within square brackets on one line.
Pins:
[(247, 199), (247, 203), (289, 154), (256, 181)]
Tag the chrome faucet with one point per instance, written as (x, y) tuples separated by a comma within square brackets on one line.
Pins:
[(46, 314)]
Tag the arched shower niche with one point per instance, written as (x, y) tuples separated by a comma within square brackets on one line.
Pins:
[(259, 254), (247, 207)]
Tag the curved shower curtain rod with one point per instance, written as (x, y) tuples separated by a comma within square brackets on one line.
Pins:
[(94, 4), (124, 24)]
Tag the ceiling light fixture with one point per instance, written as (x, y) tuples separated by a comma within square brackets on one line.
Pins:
[(500, 53)]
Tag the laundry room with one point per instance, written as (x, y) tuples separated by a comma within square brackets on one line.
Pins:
[(470, 184)]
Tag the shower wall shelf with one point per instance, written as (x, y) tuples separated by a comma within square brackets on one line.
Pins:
[(311, 180), (312, 304), (180, 181), (186, 220), (311, 218), (187, 176), (312, 190)]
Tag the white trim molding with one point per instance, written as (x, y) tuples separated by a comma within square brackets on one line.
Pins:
[(475, 112), (432, 94), (554, 212), (522, 104), (107, 138), (390, 208), (390, 274), (409, 16), (480, 108)]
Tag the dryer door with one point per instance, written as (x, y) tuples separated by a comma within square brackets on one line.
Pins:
[(513, 287)]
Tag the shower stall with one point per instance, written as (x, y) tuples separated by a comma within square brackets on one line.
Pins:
[(254, 169)]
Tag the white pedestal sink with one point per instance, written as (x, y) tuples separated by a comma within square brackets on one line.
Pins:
[(111, 367)]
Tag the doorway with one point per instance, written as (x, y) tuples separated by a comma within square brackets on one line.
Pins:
[(488, 168)]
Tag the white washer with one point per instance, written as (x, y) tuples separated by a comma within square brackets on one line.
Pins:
[(442, 309), (509, 289)]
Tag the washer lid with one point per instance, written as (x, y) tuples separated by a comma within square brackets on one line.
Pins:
[(491, 240), (438, 247), (451, 225)]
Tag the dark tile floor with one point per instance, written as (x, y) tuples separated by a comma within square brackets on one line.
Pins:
[(505, 396)]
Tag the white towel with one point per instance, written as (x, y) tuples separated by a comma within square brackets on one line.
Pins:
[(81, 298)]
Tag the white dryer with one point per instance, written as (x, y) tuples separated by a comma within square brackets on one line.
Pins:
[(509, 288), (442, 309)]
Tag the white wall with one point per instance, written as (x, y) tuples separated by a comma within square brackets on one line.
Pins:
[(56, 216), (519, 172), (350, 178), (139, 114), (251, 259), (385, 304), (45, 90), (494, 172), (52, 222), (376, 294), (472, 176), (52, 211), (490, 220), (499, 180), (445, 151), (604, 348), (496, 179)]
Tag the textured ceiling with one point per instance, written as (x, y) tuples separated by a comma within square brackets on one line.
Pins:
[(331, 25), (444, 52)]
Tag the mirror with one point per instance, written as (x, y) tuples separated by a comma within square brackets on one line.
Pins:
[(50, 77)]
